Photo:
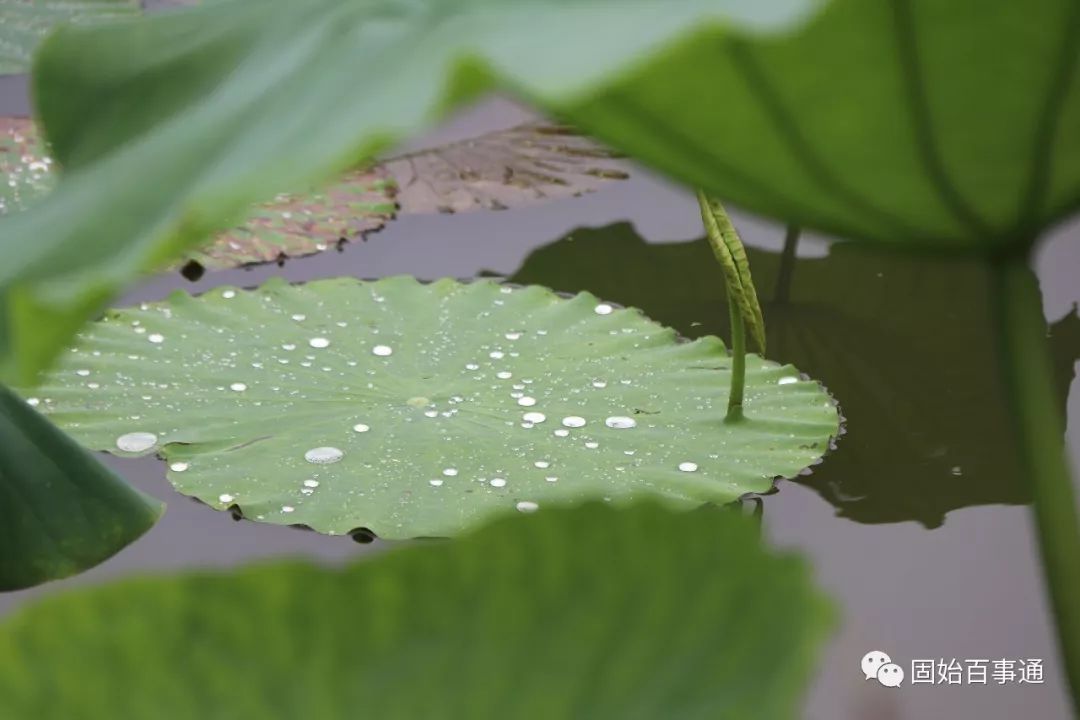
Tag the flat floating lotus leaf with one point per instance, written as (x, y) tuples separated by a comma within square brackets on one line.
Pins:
[(519, 166), (566, 614), (25, 22), (303, 224), (25, 168), (419, 410)]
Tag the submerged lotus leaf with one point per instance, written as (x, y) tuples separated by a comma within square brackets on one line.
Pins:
[(25, 22), (25, 167), (522, 165), (413, 409)]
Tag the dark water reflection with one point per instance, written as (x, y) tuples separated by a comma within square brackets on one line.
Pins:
[(904, 343), (932, 553)]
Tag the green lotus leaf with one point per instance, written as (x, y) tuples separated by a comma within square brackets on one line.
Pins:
[(900, 123), (420, 410), (170, 126), (564, 614), (61, 511), (26, 22)]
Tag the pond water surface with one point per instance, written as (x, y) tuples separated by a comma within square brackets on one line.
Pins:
[(917, 525)]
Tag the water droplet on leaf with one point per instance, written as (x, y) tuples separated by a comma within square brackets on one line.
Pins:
[(136, 441), (323, 455)]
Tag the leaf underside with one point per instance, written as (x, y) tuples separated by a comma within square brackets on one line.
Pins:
[(566, 614), (899, 122), (61, 511), (237, 387)]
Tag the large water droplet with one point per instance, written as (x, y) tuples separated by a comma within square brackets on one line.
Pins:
[(287, 508), (527, 506), (238, 387), (382, 350), (323, 455), (542, 464), (228, 294), (688, 467), (319, 342), (603, 309), (504, 375), (226, 498), (136, 441), (311, 483), (179, 467), (573, 421), (620, 422), (156, 338), (435, 483), (360, 427), (498, 482), (450, 472), (787, 380), (534, 417), (527, 401)]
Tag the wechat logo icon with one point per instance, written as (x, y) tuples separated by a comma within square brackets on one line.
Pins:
[(879, 666)]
